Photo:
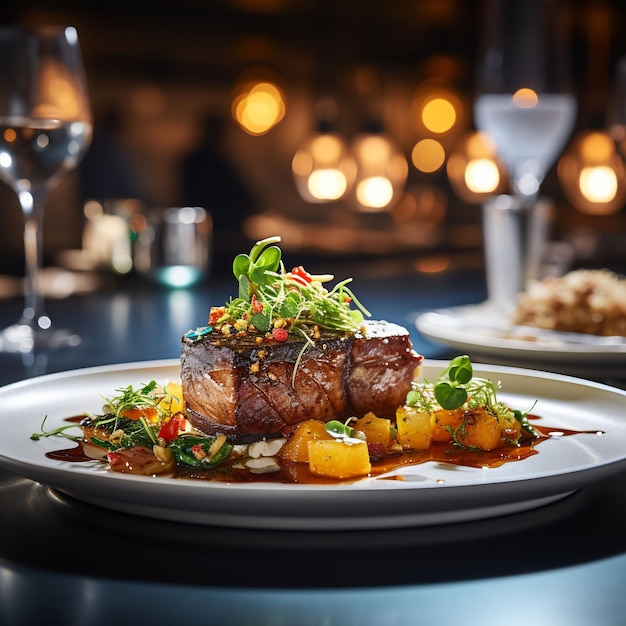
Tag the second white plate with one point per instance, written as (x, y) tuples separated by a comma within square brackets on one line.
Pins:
[(484, 334)]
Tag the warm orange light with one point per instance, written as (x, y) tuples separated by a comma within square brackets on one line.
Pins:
[(474, 170), (382, 171), (375, 192), (327, 184), (598, 183), (61, 96), (428, 155), (322, 168), (436, 108), (482, 175), (259, 107), (432, 264), (525, 98), (596, 147), (592, 174), (9, 135), (439, 115)]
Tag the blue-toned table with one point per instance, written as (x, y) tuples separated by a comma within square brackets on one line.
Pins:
[(66, 562)]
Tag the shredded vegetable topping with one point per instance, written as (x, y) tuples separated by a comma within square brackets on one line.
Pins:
[(273, 300)]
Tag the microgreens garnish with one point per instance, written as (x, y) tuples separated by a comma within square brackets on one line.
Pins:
[(271, 298), (457, 387), (451, 388), (60, 431), (116, 417), (130, 398), (344, 432)]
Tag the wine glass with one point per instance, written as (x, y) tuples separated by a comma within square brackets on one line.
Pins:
[(45, 128), (525, 102)]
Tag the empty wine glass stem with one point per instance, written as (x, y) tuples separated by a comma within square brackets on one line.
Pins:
[(32, 203)]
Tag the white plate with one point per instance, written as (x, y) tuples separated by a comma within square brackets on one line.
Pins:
[(483, 333), (430, 494)]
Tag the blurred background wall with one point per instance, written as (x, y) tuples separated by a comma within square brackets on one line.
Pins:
[(167, 77)]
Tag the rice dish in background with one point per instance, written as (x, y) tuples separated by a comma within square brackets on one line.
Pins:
[(582, 301)]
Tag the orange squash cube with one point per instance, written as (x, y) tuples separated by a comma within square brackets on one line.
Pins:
[(414, 428), (297, 447), (376, 429), (481, 430), (442, 422), (338, 459)]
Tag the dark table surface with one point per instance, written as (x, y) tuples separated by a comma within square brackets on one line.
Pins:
[(67, 562)]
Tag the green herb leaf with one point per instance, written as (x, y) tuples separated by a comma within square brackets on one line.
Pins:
[(244, 288), (270, 259), (336, 427), (460, 370), (450, 397), (261, 321), (241, 265), (290, 306)]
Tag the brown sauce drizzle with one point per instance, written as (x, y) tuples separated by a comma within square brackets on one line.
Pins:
[(298, 473)]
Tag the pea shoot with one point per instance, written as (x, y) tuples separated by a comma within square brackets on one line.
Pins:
[(345, 432), (457, 388), (269, 298), (451, 388)]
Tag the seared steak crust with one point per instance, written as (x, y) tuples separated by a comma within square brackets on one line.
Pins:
[(246, 389)]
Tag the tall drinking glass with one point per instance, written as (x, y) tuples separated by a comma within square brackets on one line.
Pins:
[(525, 101), (45, 128)]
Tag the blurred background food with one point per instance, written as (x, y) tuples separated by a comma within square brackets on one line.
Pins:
[(267, 113)]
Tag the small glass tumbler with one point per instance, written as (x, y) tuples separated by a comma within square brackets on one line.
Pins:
[(515, 243), (175, 248)]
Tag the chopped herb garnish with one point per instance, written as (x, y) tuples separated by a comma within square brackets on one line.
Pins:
[(456, 388), (271, 298)]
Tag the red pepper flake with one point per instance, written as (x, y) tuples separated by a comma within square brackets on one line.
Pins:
[(198, 452), (114, 458), (215, 314), (301, 275), (257, 306), (280, 334)]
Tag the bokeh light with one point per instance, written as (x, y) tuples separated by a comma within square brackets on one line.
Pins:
[(439, 115), (525, 98), (323, 169), (428, 155), (436, 108), (474, 170), (592, 175), (381, 172), (259, 106)]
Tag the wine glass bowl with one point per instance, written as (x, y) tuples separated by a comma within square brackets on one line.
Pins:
[(525, 102), (45, 128)]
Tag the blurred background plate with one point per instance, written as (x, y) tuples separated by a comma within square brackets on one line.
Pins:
[(487, 335)]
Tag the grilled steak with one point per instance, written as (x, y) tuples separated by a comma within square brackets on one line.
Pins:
[(245, 388)]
